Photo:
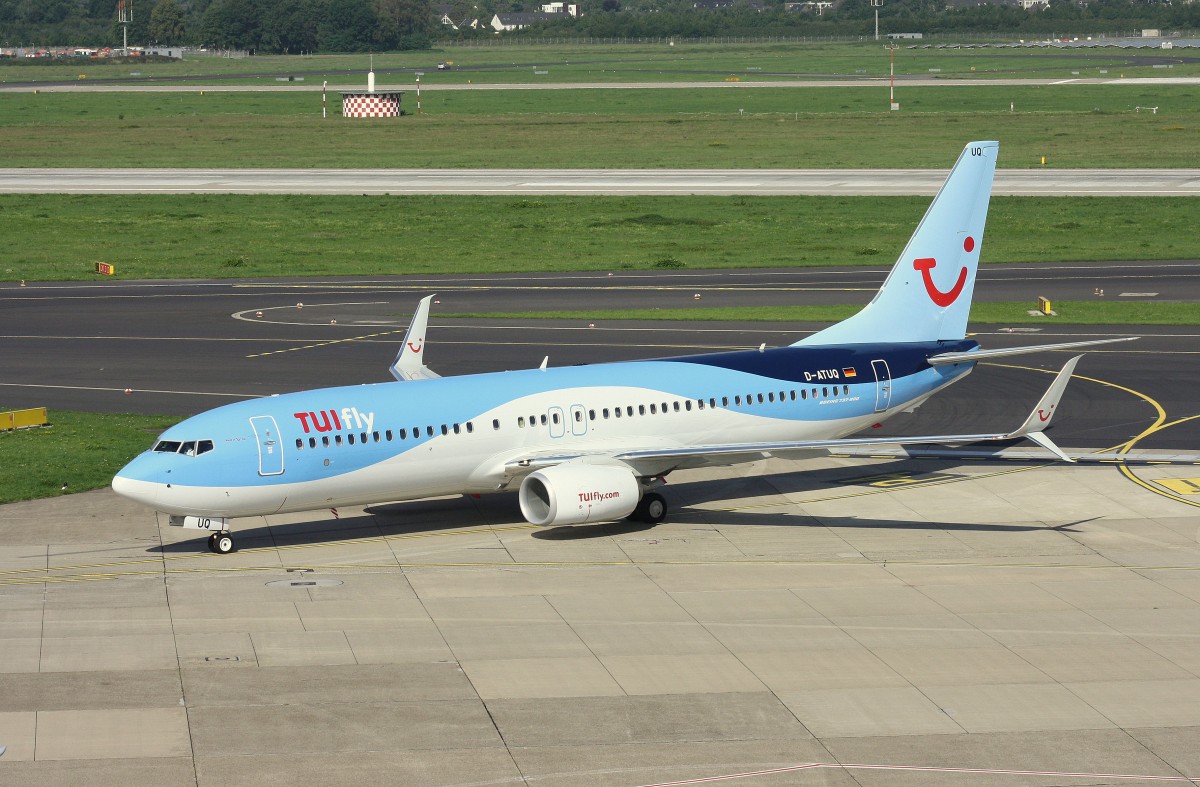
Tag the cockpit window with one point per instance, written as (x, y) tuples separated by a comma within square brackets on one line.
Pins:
[(187, 447)]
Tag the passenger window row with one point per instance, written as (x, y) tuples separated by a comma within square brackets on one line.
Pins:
[(388, 435), (685, 405), (554, 417)]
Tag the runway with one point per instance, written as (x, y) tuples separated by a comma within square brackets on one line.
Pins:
[(789, 182)]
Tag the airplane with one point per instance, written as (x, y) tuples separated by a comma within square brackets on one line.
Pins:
[(593, 443)]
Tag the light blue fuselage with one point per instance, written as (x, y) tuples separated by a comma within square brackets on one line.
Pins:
[(406, 440)]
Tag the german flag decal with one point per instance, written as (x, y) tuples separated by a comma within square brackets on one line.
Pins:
[(849, 372)]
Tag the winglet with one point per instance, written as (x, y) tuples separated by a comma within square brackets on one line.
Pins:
[(410, 361), (1039, 419)]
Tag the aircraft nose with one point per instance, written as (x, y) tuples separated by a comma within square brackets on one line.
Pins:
[(144, 492)]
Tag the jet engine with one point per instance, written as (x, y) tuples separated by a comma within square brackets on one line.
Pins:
[(572, 494)]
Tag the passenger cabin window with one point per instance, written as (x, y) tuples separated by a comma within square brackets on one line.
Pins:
[(312, 442), (350, 438), (299, 442), (520, 422), (325, 442), (388, 435)]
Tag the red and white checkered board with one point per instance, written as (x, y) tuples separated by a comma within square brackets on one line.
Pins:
[(382, 105)]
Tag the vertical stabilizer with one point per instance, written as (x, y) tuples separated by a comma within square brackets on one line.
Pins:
[(927, 295)]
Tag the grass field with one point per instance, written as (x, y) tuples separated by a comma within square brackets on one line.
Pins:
[(59, 237), (634, 63), (1073, 126), (1096, 312), (81, 450)]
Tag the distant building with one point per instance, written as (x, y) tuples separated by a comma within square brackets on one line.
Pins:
[(818, 7), (570, 9), (519, 21), (447, 17)]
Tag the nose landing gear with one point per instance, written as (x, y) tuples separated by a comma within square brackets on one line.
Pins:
[(222, 543)]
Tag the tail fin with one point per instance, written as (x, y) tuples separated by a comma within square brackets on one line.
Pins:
[(927, 296)]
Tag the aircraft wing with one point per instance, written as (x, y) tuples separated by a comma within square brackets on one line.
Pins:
[(1006, 455), (656, 461), (410, 361)]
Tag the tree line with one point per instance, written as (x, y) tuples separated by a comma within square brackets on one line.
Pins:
[(297, 26)]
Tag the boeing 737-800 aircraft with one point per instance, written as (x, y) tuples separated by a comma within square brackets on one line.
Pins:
[(591, 443)]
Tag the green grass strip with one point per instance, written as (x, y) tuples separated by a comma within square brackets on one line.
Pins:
[(1072, 126), (79, 450), (243, 236)]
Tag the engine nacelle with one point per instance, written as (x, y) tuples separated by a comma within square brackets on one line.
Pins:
[(572, 494)]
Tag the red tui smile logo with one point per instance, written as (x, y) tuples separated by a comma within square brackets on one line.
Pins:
[(927, 264), (416, 347)]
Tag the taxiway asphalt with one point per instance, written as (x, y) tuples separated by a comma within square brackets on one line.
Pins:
[(182, 347)]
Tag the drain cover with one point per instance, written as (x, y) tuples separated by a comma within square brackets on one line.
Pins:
[(304, 583)]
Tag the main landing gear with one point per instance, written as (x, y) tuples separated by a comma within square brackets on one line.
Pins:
[(652, 509), (221, 543)]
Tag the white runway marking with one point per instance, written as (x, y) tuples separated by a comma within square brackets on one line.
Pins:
[(920, 769)]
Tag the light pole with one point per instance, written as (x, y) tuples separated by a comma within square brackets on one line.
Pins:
[(892, 77), (876, 4)]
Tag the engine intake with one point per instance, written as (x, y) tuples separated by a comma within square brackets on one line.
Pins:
[(570, 494)]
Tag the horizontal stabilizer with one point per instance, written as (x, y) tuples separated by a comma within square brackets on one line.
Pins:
[(1004, 352)]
